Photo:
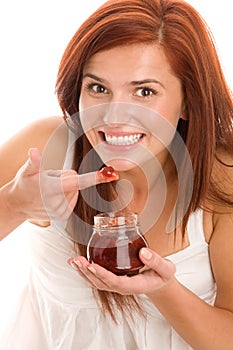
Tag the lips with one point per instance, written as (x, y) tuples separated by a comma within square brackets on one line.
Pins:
[(122, 140)]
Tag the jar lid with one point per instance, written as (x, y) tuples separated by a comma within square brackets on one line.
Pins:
[(115, 219)]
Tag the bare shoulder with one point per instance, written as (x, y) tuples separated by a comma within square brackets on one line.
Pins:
[(221, 247), (14, 152), (221, 242), (222, 179)]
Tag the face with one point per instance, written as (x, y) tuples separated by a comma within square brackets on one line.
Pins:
[(137, 76)]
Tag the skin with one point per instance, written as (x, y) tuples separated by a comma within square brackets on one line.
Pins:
[(205, 326), (126, 75)]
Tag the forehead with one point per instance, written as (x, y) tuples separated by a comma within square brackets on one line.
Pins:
[(130, 59)]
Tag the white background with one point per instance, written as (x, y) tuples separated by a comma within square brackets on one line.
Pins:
[(33, 37)]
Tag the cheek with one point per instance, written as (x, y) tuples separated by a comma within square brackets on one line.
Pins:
[(91, 137), (87, 101), (156, 146), (82, 102), (171, 107), (171, 116)]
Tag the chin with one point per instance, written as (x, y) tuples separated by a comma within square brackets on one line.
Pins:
[(121, 164)]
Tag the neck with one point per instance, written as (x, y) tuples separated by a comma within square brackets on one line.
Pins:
[(141, 186)]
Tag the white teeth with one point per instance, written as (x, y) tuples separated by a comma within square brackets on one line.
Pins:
[(122, 140)]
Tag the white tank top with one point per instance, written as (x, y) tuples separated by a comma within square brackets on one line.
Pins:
[(56, 310)]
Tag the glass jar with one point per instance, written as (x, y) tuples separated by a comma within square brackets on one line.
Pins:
[(115, 242)]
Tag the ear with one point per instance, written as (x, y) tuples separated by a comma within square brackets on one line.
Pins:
[(184, 113), (184, 117)]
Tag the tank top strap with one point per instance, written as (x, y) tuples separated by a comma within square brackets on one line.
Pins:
[(195, 227), (61, 225), (70, 151)]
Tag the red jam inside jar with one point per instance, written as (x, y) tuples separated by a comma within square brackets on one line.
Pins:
[(116, 242)]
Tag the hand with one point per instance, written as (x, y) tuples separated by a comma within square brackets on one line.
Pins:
[(156, 274), (46, 195)]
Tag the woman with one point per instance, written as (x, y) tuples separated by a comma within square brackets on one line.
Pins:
[(152, 62)]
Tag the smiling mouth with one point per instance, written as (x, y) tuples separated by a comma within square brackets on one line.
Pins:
[(122, 140)]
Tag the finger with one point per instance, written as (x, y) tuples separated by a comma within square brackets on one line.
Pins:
[(104, 279), (85, 273), (34, 162), (95, 178), (89, 270), (124, 285), (76, 268), (71, 181), (71, 199), (163, 267)]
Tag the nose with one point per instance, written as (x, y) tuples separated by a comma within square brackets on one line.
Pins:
[(112, 113), (117, 112)]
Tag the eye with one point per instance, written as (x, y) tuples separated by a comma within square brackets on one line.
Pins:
[(145, 92), (97, 88)]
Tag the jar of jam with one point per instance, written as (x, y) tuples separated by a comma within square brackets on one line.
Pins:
[(115, 242)]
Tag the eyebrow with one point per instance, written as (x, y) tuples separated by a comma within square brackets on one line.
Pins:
[(92, 76), (134, 82), (146, 81)]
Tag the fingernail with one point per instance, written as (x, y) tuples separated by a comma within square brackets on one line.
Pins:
[(146, 253), (74, 266), (78, 263), (69, 261), (92, 269)]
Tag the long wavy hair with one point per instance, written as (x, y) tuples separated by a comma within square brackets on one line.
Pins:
[(190, 50)]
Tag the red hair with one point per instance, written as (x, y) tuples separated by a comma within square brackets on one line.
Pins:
[(189, 47)]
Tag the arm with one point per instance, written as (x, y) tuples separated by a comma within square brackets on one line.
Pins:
[(13, 154), (40, 189), (9, 218)]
